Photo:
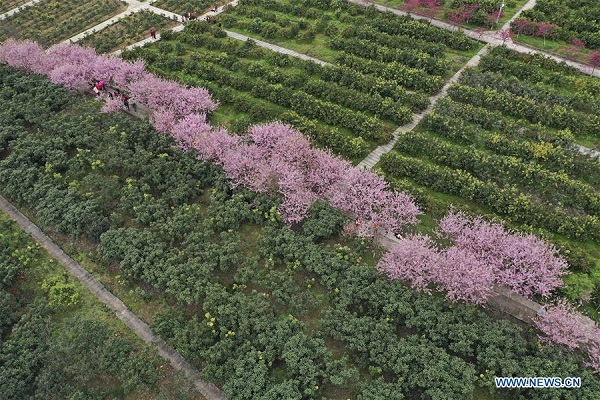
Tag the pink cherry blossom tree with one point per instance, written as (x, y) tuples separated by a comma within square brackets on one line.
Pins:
[(188, 129), (593, 350), (521, 26), (561, 324), (464, 276), (505, 34), (413, 260), (418, 261), (544, 29), (369, 198), (26, 55), (594, 60), (457, 17), (523, 263)]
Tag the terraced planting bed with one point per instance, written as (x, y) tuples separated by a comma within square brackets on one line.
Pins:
[(129, 30), (7, 5), (348, 34), (501, 143), (339, 107), (266, 310), (50, 22)]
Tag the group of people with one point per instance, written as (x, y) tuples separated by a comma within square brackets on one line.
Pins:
[(189, 16), (100, 87)]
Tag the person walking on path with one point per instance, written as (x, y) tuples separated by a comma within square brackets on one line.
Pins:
[(153, 33), (125, 100)]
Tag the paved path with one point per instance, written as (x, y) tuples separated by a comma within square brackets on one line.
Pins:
[(527, 6), (133, 6), (372, 159), (176, 17), (276, 48), (489, 37), (231, 34), (586, 151), (132, 321), (18, 9)]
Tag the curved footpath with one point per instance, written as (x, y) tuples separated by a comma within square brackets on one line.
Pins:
[(133, 322)]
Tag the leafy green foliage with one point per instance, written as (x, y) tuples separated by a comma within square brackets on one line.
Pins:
[(266, 311), (60, 292), (323, 221), (573, 19), (53, 21), (127, 31)]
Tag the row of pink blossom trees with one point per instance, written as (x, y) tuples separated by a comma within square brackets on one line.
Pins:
[(276, 157), (480, 255), (272, 157), (74, 66)]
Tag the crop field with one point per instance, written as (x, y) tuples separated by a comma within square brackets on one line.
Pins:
[(303, 310), (50, 22), (58, 339), (256, 85), (224, 210), (350, 106), (344, 33), (501, 143), (7, 5), (129, 30)]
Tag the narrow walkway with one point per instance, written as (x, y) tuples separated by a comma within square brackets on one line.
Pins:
[(372, 159), (15, 10), (489, 37), (132, 321), (527, 6), (231, 34), (176, 17), (586, 151), (133, 7), (276, 48)]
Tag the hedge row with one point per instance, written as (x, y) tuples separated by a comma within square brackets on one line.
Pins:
[(556, 187), (578, 101), (410, 78), (515, 143), (508, 200), (555, 116)]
